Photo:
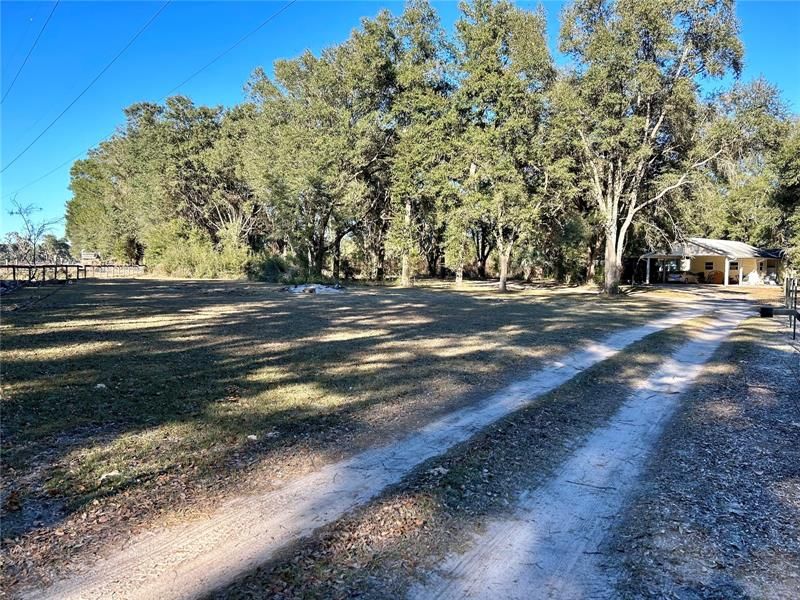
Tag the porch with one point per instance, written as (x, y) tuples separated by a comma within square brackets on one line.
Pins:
[(708, 261)]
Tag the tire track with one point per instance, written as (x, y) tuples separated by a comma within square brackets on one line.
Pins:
[(193, 559), (551, 547)]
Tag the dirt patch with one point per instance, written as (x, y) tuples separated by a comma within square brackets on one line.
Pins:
[(719, 514), (552, 541)]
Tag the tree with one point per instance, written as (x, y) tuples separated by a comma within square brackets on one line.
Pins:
[(401, 145), (786, 163), (33, 233), (500, 103), (419, 105), (632, 102), (54, 250), (321, 138), (739, 194)]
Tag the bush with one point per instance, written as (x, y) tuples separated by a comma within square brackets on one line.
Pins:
[(268, 267), (177, 249), (278, 269)]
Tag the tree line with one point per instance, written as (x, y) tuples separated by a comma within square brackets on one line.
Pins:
[(407, 149)]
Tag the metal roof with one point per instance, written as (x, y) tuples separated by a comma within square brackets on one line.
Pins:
[(709, 247)]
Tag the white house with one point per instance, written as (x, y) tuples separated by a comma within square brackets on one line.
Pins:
[(719, 261)]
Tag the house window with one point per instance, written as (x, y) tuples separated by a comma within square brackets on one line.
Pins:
[(761, 266), (709, 266), (734, 265)]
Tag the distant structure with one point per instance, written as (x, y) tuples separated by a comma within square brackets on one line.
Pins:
[(90, 257), (718, 261)]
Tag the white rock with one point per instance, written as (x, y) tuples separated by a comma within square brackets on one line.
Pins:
[(109, 475), (439, 471)]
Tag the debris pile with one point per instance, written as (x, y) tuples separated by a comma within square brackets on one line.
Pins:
[(313, 288)]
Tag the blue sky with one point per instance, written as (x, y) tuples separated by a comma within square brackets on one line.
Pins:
[(83, 36)]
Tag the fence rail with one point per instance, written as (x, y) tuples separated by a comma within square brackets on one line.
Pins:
[(58, 272)]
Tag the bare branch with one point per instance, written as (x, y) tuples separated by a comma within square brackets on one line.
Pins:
[(681, 181)]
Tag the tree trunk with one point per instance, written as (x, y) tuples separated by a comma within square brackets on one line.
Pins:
[(337, 257), (591, 258), (380, 262), (613, 266), (318, 256), (505, 258), (483, 248), (460, 274), (433, 258), (482, 267), (405, 272), (405, 276)]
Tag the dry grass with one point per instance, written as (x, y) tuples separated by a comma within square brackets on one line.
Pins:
[(125, 400), (396, 540)]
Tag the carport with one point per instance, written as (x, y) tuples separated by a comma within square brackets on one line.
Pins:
[(718, 261)]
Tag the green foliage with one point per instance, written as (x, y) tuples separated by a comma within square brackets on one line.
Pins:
[(746, 193), (498, 165), (402, 146), (269, 267), (631, 108), (177, 249), (786, 164)]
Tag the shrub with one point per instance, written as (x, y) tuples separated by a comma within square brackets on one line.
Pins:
[(267, 267), (279, 269), (177, 249)]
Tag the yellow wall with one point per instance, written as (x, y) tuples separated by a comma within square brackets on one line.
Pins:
[(698, 263), (748, 266)]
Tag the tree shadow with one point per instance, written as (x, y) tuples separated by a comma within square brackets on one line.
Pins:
[(192, 368)]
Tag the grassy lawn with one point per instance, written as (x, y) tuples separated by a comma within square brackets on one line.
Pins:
[(128, 399)]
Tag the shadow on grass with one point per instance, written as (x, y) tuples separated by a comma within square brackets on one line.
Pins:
[(723, 486), (378, 550), (398, 539), (191, 369)]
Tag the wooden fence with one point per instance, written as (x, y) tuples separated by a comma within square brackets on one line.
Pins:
[(65, 272)]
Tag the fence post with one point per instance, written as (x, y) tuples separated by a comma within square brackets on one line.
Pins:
[(794, 317), (786, 283)]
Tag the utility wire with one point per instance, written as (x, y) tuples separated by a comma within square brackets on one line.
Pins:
[(232, 47), (28, 55), (91, 83), (46, 175), (184, 82)]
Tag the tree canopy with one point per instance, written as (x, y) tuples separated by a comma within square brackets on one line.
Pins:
[(406, 149)]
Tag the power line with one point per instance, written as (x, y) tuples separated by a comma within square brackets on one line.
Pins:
[(12, 55), (45, 176), (91, 83), (232, 47), (184, 82), (28, 55)]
